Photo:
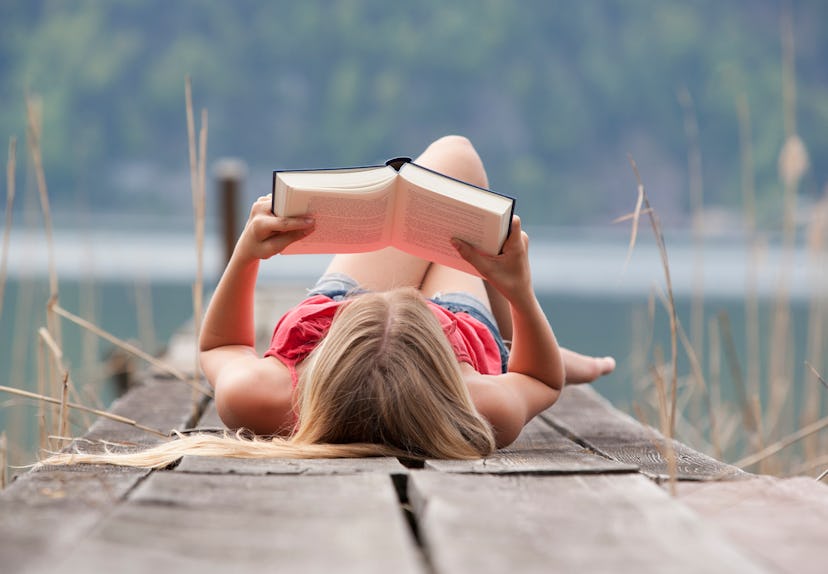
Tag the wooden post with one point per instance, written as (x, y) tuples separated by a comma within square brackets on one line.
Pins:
[(230, 175)]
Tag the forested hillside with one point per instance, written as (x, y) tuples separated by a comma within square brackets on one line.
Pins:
[(553, 93)]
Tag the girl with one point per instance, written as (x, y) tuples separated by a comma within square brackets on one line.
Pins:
[(389, 354)]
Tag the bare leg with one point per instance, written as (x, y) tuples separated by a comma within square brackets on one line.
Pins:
[(455, 156), (381, 270), (442, 279)]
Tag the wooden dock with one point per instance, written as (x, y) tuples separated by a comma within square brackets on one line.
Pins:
[(582, 490)]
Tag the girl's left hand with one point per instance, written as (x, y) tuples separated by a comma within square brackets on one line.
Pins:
[(266, 235), (507, 272)]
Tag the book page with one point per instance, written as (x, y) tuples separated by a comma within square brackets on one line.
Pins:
[(478, 197), (346, 224), (426, 222)]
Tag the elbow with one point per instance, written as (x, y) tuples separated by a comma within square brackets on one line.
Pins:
[(505, 436), (203, 341), (508, 426), (207, 341)]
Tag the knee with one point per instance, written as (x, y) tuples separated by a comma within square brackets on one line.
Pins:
[(459, 148), (454, 142), (458, 159)]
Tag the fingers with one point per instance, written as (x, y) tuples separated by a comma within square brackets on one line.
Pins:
[(516, 235), (276, 243), (467, 251), (268, 224), (261, 205)]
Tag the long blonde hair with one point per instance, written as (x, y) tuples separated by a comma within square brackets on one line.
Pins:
[(384, 381)]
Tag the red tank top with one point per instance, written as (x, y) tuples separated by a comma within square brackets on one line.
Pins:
[(299, 331)]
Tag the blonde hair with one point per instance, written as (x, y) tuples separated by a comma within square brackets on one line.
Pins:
[(384, 381)]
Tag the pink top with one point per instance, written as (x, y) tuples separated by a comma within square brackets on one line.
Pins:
[(299, 331)]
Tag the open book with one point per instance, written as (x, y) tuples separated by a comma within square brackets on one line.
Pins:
[(401, 204)]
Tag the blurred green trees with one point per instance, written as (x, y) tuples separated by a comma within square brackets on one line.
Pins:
[(553, 93)]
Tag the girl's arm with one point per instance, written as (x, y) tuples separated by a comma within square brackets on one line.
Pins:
[(536, 372), (250, 391), (229, 317)]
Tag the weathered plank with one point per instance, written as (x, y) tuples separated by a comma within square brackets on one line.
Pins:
[(178, 522), (784, 521), (584, 415), (44, 512), (159, 403), (330, 466), (210, 419), (538, 449), (569, 523)]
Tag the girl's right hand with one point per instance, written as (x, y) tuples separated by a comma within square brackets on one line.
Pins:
[(266, 234)]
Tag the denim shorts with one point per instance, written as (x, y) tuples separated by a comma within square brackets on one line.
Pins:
[(339, 286)]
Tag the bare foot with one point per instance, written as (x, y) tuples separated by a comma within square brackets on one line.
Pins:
[(585, 369)]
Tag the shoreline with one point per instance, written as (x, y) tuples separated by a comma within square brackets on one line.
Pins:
[(564, 262)]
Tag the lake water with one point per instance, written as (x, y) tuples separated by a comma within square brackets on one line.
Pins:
[(137, 286)]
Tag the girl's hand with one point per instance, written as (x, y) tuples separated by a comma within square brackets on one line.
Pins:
[(266, 234), (508, 272)]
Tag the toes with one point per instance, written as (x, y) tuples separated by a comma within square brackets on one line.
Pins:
[(607, 365)]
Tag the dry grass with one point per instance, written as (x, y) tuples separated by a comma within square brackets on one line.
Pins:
[(10, 187), (100, 413), (4, 465), (197, 185), (749, 209), (766, 435), (143, 315), (666, 409), (694, 170), (52, 372), (644, 202), (34, 131), (783, 443), (126, 346)]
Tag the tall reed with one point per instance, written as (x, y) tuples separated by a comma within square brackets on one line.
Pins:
[(666, 407), (714, 388), (126, 346), (53, 377), (34, 132), (3, 460), (696, 185), (198, 158), (748, 186), (10, 181), (143, 315), (817, 316), (101, 413), (774, 423), (643, 201), (793, 162)]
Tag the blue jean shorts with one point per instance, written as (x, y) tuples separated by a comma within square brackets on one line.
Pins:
[(339, 286)]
